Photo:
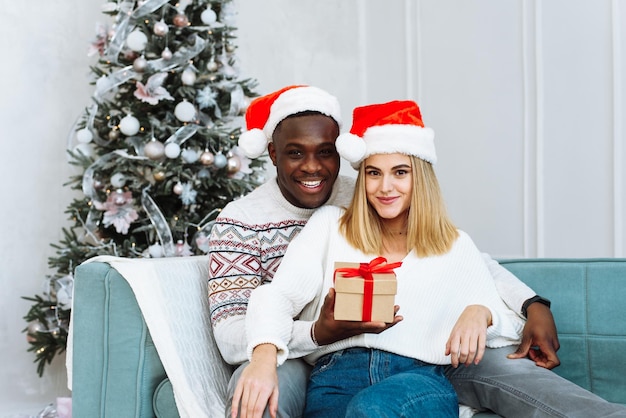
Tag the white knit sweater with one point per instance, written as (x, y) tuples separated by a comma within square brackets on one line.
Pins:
[(432, 293)]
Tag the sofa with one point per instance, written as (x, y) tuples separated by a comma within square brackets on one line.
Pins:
[(116, 370)]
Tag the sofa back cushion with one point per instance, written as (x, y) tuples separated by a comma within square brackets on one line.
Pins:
[(588, 303)]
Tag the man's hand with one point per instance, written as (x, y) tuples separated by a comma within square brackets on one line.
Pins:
[(257, 386), (328, 330), (540, 341), (468, 338)]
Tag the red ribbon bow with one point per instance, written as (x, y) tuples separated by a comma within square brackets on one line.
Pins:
[(378, 265)]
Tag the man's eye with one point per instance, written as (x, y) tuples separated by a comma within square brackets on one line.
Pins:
[(294, 153)]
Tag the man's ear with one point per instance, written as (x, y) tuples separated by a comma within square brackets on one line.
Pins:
[(272, 152)]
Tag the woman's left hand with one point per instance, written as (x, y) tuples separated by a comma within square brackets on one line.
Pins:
[(468, 338)]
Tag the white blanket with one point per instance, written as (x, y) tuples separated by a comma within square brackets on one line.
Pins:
[(172, 296)]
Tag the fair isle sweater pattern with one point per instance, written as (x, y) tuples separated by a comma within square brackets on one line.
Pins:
[(245, 257)]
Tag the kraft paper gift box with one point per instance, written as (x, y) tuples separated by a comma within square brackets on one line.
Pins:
[(354, 296)]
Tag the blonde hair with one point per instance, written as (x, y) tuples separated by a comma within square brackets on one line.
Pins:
[(430, 231)]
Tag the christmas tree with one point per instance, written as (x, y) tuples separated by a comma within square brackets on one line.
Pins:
[(155, 151)]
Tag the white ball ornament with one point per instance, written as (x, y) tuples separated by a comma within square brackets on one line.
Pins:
[(212, 66), (154, 150), (118, 180), (84, 136), (137, 40), (220, 160), (178, 189), (188, 77), (166, 54), (208, 16), (160, 28), (156, 251), (129, 125), (190, 155), (172, 150), (184, 111)]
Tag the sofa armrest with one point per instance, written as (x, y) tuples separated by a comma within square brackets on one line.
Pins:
[(115, 365)]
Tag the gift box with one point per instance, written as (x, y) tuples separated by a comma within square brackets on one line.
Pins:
[(365, 291)]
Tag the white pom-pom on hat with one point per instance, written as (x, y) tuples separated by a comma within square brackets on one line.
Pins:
[(253, 143), (351, 147), (266, 112), (387, 128)]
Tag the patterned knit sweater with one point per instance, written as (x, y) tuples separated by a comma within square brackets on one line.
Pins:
[(432, 294), (246, 246)]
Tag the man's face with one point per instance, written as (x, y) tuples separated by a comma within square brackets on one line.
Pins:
[(307, 163)]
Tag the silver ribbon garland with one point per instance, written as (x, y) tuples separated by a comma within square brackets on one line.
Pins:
[(160, 224), (182, 134), (126, 23), (149, 205), (89, 190), (181, 56)]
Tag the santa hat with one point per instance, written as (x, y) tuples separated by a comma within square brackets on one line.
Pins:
[(387, 128), (266, 112)]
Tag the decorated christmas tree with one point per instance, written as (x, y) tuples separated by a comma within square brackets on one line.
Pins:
[(155, 150)]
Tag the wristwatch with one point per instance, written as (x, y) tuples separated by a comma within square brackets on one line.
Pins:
[(532, 300)]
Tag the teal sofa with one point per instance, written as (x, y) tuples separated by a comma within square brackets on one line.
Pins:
[(116, 370)]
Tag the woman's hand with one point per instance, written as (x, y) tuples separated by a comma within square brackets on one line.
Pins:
[(257, 386), (328, 330), (468, 338)]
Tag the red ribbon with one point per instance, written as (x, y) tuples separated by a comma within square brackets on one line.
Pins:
[(367, 270)]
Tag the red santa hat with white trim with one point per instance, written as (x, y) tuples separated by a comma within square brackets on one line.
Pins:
[(387, 128), (266, 112)]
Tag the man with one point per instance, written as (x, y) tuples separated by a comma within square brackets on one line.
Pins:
[(298, 125)]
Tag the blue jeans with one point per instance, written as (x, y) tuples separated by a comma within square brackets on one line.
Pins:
[(292, 379), (363, 382), (519, 388)]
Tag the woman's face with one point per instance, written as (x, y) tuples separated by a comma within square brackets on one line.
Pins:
[(389, 185)]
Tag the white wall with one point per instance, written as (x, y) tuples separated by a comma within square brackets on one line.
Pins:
[(527, 99), (43, 88)]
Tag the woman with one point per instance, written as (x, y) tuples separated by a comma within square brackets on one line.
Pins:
[(449, 304)]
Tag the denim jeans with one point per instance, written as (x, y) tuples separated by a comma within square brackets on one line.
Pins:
[(362, 382), (519, 388), (292, 379)]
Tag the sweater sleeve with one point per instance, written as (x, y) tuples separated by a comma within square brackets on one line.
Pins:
[(234, 271), (511, 289), (297, 283)]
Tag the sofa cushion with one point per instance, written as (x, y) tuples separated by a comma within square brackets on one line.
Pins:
[(588, 304)]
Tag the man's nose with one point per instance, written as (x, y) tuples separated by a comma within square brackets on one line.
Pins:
[(311, 164)]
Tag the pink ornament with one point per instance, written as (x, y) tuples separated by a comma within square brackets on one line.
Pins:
[(181, 20)]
